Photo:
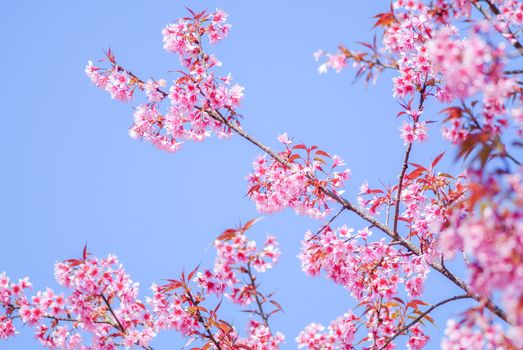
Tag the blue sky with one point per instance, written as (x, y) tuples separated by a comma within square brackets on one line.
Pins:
[(71, 174)]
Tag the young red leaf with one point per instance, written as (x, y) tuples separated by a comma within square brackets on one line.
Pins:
[(436, 160)]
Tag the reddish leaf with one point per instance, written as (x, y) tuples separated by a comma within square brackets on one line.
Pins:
[(74, 262), (384, 19), (318, 159), (416, 173), (294, 157), (452, 112), (418, 166), (250, 223), (275, 303), (323, 153), (254, 188), (436, 160), (415, 303), (227, 234), (191, 275)]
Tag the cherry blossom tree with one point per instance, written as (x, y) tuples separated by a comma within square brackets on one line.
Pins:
[(460, 54)]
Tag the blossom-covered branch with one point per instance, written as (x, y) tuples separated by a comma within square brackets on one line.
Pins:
[(435, 214)]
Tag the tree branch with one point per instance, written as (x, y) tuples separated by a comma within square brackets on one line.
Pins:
[(327, 224), (120, 326), (400, 188), (216, 115), (252, 283), (406, 165), (513, 72), (365, 216), (202, 321), (417, 319)]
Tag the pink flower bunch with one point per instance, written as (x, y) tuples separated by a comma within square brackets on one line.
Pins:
[(469, 65), (413, 132), (369, 270), (298, 181), (200, 101), (260, 337), (116, 82), (334, 61), (406, 38), (509, 20), (237, 255), (492, 240), (11, 298), (420, 42), (339, 334), (476, 330), (184, 36), (426, 195), (103, 303)]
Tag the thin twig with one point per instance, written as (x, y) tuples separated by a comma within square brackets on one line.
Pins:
[(513, 72), (120, 326), (400, 187), (327, 224), (202, 321), (405, 166), (252, 283), (417, 319)]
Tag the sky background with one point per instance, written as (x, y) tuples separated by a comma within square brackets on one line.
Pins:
[(72, 175)]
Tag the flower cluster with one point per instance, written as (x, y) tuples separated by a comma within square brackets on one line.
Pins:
[(491, 240), (369, 270), (298, 180), (103, 304), (339, 335), (474, 329), (422, 44), (411, 133), (237, 255), (425, 197), (103, 307), (471, 66), (201, 103), (261, 337)]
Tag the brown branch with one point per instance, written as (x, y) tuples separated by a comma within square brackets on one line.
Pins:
[(365, 216), (202, 320), (252, 283), (69, 319), (120, 326), (513, 72), (400, 188), (54, 318), (327, 224), (405, 166), (233, 125), (417, 319)]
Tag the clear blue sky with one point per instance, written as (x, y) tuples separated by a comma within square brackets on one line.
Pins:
[(71, 174)]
